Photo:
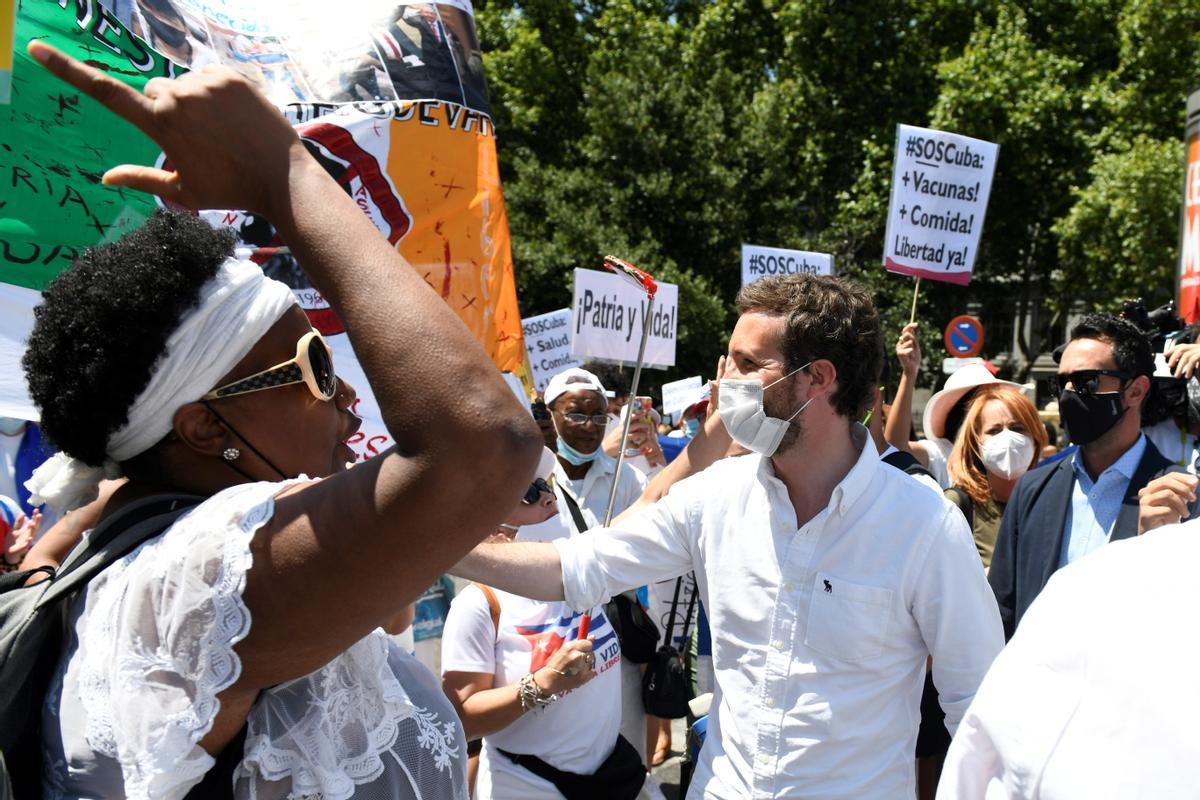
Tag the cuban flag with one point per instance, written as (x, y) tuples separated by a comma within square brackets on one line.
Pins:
[(10, 512), (545, 639)]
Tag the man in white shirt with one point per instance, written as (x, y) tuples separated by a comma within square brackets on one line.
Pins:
[(1096, 694), (829, 577)]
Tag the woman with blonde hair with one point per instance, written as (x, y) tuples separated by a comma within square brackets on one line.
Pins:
[(1001, 439)]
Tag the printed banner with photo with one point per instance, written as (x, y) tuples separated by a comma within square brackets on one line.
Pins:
[(388, 96)]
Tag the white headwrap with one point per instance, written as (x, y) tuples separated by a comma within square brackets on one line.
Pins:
[(237, 306)]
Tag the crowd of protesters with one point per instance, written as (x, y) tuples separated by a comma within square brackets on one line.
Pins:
[(878, 602)]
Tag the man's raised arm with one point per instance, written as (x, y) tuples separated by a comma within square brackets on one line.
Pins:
[(528, 569)]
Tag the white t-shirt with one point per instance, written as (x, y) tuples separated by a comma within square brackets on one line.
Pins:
[(924, 480), (938, 451), (9, 445), (576, 733)]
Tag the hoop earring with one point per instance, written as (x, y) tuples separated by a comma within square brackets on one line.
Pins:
[(231, 454)]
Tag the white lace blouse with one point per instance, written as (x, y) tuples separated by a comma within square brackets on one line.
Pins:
[(151, 645)]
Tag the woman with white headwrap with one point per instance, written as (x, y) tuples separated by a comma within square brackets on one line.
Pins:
[(161, 359)]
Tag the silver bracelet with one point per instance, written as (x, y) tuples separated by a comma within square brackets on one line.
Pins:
[(531, 695)]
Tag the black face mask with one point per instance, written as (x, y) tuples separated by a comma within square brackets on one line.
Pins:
[(1087, 417)]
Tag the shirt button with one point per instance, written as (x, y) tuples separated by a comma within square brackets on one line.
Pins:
[(778, 644), (763, 758), (770, 702), (789, 586)]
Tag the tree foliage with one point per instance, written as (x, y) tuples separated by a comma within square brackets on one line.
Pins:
[(671, 131)]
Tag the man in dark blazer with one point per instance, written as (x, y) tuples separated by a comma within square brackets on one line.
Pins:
[(1062, 511)]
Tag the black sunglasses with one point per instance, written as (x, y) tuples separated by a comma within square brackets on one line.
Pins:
[(1085, 381), (535, 491)]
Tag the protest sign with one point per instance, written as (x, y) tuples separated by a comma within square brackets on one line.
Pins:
[(410, 139), (548, 344), (609, 314), (678, 395), (940, 187), (759, 262)]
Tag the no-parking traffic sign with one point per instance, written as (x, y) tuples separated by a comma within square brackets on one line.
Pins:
[(964, 337)]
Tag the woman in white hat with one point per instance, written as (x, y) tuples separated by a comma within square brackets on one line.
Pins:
[(944, 413)]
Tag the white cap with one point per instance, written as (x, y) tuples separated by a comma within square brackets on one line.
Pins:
[(571, 380)]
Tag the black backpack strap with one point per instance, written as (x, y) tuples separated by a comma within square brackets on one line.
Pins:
[(674, 607), (573, 508), (11, 580), (963, 501), (900, 459), (687, 619), (114, 538)]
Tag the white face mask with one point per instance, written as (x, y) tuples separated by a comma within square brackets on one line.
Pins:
[(1007, 454), (741, 411)]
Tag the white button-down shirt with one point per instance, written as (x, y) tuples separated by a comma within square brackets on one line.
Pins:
[(1095, 505), (820, 632), (1096, 695)]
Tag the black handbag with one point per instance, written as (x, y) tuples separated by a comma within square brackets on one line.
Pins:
[(666, 685), (636, 632)]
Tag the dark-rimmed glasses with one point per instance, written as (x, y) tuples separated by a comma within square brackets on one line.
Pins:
[(535, 491), (312, 366), (1085, 381)]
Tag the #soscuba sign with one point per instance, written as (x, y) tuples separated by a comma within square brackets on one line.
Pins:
[(940, 187)]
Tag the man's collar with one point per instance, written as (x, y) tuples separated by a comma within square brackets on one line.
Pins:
[(856, 481), (1126, 465), (851, 487), (606, 463)]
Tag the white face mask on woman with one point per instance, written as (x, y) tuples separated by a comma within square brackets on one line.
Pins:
[(741, 411), (1007, 454)]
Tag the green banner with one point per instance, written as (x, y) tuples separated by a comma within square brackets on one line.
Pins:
[(55, 143)]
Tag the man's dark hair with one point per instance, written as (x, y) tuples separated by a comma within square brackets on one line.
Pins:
[(1131, 347), (825, 318), (104, 323)]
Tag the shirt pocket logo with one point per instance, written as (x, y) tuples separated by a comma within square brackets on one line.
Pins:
[(846, 620)]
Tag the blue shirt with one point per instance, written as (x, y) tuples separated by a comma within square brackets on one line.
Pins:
[(1094, 506)]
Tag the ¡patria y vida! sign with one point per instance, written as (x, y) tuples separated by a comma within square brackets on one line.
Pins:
[(759, 262), (610, 312), (940, 187), (548, 345)]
